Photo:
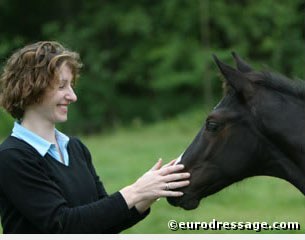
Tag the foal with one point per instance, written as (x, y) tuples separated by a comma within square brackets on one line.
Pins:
[(258, 128)]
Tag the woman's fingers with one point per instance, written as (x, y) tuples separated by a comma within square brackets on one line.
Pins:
[(171, 194), (170, 169), (173, 185), (158, 165), (172, 162), (162, 181), (169, 190), (176, 176)]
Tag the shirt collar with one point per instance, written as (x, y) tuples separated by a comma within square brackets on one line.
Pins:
[(62, 138), (41, 145)]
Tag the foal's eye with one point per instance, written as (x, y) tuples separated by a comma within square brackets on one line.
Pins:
[(212, 126)]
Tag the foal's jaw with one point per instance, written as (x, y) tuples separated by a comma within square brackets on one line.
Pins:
[(187, 202), (193, 194), (191, 200), (190, 204)]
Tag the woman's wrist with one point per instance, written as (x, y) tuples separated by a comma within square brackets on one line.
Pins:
[(130, 196), (144, 205)]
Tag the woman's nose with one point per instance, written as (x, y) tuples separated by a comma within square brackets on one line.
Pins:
[(71, 96)]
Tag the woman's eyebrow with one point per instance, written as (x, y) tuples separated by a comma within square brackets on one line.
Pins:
[(64, 80)]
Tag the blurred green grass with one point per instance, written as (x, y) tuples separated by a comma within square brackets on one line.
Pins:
[(122, 156)]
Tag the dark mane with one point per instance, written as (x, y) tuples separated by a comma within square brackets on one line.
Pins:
[(274, 81), (279, 83)]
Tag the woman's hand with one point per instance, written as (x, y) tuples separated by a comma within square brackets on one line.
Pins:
[(157, 182)]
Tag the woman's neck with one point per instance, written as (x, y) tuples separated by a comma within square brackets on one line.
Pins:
[(39, 126)]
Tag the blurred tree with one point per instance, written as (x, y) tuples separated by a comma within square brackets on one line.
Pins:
[(148, 60), (143, 60)]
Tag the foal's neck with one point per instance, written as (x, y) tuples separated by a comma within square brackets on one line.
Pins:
[(291, 170)]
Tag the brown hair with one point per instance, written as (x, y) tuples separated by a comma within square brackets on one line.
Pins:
[(30, 71)]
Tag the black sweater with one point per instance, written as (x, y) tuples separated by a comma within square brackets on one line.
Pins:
[(41, 195)]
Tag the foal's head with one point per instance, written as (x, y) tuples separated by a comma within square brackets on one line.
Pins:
[(254, 130)]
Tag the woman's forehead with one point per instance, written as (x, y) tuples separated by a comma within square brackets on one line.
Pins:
[(65, 73)]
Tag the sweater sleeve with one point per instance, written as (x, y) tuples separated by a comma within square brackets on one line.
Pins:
[(39, 199), (134, 215)]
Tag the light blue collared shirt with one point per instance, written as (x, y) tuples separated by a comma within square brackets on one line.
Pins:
[(43, 146)]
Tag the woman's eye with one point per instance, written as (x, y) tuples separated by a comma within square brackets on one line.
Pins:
[(61, 85), (212, 126)]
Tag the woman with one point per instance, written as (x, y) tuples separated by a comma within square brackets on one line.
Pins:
[(48, 183)]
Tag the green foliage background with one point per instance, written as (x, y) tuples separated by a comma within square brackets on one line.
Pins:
[(147, 60)]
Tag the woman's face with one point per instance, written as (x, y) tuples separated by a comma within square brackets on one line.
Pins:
[(54, 107)]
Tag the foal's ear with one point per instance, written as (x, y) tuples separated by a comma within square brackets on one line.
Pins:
[(241, 64), (236, 79)]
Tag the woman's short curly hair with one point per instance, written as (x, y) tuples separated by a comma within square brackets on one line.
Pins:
[(30, 71)]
